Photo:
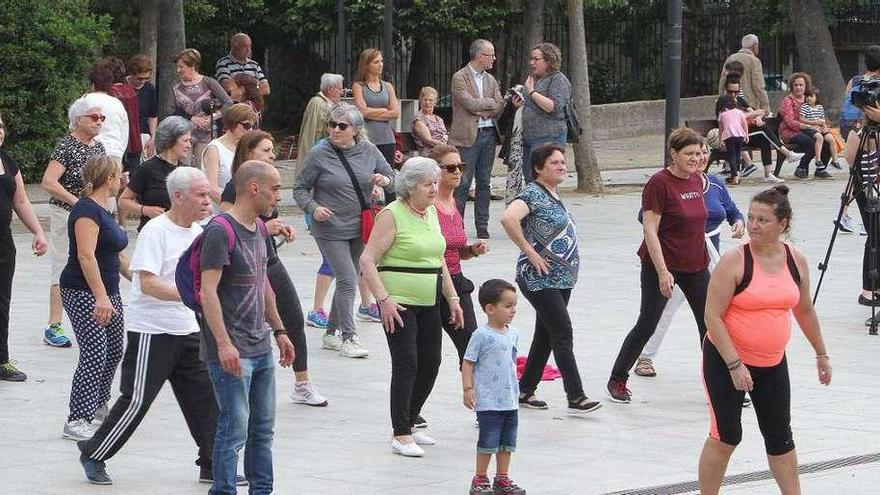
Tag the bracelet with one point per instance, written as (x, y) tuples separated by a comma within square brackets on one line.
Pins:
[(468, 388), (471, 248), (821, 356), (532, 91), (380, 301), (279, 331), (453, 298), (734, 365)]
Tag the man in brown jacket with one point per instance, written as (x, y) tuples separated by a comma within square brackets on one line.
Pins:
[(752, 80), (476, 101)]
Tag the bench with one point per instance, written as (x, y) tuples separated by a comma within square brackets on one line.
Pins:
[(703, 126)]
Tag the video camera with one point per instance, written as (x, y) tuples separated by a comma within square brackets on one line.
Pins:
[(209, 106), (867, 93)]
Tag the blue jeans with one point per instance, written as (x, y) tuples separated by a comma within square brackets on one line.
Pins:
[(478, 158), (497, 431), (247, 419), (529, 145)]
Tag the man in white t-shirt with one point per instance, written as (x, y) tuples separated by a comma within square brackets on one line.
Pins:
[(163, 338)]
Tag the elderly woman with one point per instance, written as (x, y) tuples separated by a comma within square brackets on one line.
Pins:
[(333, 186), (146, 194), (408, 246), (457, 246), (314, 122), (428, 129), (546, 272), (219, 154), (546, 93), (754, 292), (376, 101), (12, 198), (63, 181), (790, 127), (194, 94), (90, 293)]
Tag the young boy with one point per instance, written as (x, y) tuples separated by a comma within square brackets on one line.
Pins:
[(488, 376)]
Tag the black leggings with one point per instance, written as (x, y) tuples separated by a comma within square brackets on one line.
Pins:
[(765, 138), (771, 397), (415, 359), (460, 336), (871, 221), (290, 310), (693, 285), (7, 270)]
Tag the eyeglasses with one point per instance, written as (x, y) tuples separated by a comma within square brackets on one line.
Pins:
[(96, 117), (247, 125), (452, 167), (341, 125), (490, 55)]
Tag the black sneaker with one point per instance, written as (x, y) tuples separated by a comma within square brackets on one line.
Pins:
[(206, 475), (618, 392), (822, 174), (419, 422), (482, 234), (583, 405), (749, 170), (801, 173), (746, 401), (10, 373), (531, 402), (869, 301), (95, 472)]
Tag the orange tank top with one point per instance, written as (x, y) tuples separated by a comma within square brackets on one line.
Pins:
[(759, 318)]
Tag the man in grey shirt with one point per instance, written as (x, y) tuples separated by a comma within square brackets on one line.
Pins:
[(236, 345)]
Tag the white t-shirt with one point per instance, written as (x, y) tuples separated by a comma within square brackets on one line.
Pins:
[(159, 246), (114, 131)]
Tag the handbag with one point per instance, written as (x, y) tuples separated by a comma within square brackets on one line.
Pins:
[(368, 212), (572, 123)]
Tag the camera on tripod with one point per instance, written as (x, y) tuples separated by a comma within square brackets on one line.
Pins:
[(209, 106), (867, 94)]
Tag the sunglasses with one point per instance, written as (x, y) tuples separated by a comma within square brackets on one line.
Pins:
[(96, 117), (452, 167), (341, 125), (247, 125)]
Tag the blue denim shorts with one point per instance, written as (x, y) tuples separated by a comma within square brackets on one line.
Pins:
[(497, 431)]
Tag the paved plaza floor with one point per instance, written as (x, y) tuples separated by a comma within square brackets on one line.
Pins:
[(649, 446)]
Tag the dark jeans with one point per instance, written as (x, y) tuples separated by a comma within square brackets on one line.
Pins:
[(387, 151), (497, 431), (553, 331), (807, 144), (871, 221), (734, 148), (415, 360), (478, 158), (460, 336), (7, 270), (693, 285), (290, 310)]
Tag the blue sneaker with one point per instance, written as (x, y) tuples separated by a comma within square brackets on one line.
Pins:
[(369, 313), (54, 335), (317, 319), (95, 471)]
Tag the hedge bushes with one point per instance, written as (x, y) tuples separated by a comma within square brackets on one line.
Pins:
[(47, 49)]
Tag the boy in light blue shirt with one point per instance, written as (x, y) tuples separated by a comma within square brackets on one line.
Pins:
[(488, 376)]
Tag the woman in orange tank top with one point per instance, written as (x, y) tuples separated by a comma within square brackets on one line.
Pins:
[(751, 295)]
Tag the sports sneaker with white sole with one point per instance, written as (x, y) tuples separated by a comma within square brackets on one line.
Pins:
[(422, 439), (772, 179), (351, 348), (794, 158), (306, 393), (406, 449), (331, 341), (78, 429), (54, 336)]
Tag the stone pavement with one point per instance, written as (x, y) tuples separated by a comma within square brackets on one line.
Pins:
[(344, 448)]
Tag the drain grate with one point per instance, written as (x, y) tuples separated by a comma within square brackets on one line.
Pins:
[(736, 479)]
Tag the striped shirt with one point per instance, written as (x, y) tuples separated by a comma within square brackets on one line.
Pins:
[(229, 66), (812, 112)]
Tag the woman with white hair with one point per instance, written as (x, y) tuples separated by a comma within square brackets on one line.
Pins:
[(146, 195), (314, 122), (334, 185), (63, 180), (408, 246)]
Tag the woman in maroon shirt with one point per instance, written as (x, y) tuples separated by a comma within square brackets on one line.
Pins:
[(457, 247), (672, 252), (790, 127)]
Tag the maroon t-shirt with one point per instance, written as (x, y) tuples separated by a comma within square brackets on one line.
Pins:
[(682, 222)]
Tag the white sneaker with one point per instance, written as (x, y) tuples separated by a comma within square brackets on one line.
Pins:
[(406, 449), (421, 439), (773, 179), (351, 348), (308, 394), (80, 429), (332, 341), (794, 158)]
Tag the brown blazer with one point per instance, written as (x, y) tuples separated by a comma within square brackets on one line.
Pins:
[(752, 81), (467, 104)]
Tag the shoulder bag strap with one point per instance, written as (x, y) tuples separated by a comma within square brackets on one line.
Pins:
[(357, 189)]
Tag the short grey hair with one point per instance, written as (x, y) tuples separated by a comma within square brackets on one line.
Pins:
[(181, 178), (415, 171), (350, 113), (81, 107), (477, 46), (749, 40), (170, 130), (329, 80)]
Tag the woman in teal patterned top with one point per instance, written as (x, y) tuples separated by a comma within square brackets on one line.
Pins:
[(546, 272)]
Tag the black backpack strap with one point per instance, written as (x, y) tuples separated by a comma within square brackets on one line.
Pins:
[(792, 265), (748, 267)]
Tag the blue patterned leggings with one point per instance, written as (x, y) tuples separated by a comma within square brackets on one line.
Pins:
[(100, 350)]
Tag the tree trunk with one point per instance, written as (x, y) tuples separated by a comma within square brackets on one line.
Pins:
[(172, 39), (149, 29), (419, 66), (816, 51), (589, 178), (533, 24)]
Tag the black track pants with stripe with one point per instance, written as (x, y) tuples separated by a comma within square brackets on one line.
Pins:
[(150, 360)]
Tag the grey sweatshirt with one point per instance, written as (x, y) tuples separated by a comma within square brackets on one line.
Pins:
[(536, 122), (323, 181)]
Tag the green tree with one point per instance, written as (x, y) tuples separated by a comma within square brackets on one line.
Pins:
[(48, 47)]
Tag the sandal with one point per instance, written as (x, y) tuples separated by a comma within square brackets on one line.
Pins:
[(530, 401), (645, 367)]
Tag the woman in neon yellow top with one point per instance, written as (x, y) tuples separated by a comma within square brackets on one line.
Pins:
[(404, 266)]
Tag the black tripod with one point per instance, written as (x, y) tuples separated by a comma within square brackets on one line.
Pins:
[(863, 188)]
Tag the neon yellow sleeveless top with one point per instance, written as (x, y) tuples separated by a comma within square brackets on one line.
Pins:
[(410, 268)]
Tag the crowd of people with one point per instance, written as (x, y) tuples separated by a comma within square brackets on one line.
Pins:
[(209, 293)]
